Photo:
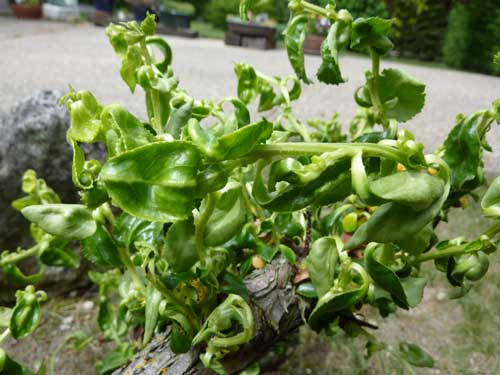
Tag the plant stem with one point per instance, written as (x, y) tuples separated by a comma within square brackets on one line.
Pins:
[(155, 99), (492, 231), (18, 256), (202, 223), (373, 84), (299, 127), (108, 214), (455, 250), (125, 258), (166, 293), (316, 9), (4, 335), (313, 148), (435, 254)]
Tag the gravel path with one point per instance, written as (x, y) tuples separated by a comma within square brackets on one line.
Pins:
[(38, 55)]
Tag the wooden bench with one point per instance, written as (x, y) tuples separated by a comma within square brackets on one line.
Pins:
[(251, 35)]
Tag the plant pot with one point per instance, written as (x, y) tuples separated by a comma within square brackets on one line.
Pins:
[(175, 20), (249, 34), (27, 11), (312, 44)]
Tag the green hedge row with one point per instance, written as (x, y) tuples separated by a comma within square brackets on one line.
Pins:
[(465, 37), (420, 28), (473, 36)]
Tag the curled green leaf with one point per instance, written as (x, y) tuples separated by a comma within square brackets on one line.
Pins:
[(325, 181), (180, 247), (232, 145), (164, 48), (295, 35), (229, 326), (383, 275), (26, 314), (321, 263), (372, 33), (336, 40), (491, 200), (337, 300), (228, 217), (155, 182), (412, 189), (69, 221), (100, 249), (415, 355)]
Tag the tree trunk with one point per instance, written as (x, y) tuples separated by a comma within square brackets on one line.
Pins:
[(276, 312)]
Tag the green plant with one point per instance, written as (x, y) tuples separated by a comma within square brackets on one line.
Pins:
[(364, 8), (179, 7), (420, 28), (218, 10), (190, 201), (457, 37), (473, 36)]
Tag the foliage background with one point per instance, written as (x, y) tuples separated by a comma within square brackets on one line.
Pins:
[(463, 34)]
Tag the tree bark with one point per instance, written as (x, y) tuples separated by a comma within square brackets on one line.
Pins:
[(276, 312)]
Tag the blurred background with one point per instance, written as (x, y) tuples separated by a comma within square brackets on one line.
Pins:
[(461, 34)]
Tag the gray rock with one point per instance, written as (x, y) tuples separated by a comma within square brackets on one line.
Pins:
[(33, 136)]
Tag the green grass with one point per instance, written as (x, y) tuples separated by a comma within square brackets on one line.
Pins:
[(206, 30)]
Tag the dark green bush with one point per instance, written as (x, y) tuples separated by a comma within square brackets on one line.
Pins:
[(457, 37), (364, 8), (473, 36), (218, 10), (420, 28), (495, 30), (279, 11), (484, 14), (179, 7)]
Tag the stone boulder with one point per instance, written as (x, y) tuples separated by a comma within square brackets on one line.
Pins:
[(33, 136)]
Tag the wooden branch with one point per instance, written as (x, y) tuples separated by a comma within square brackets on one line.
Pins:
[(276, 312)]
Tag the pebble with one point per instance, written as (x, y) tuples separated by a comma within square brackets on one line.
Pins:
[(66, 323), (87, 305)]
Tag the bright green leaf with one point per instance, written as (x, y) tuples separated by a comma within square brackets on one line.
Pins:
[(155, 182), (26, 314), (69, 221), (321, 263), (415, 355), (100, 249), (402, 95), (372, 33), (295, 36), (180, 246)]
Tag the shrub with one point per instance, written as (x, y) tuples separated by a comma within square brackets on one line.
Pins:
[(179, 7), (364, 8), (218, 10), (420, 27), (473, 36), (457, 37), (187, 203)]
